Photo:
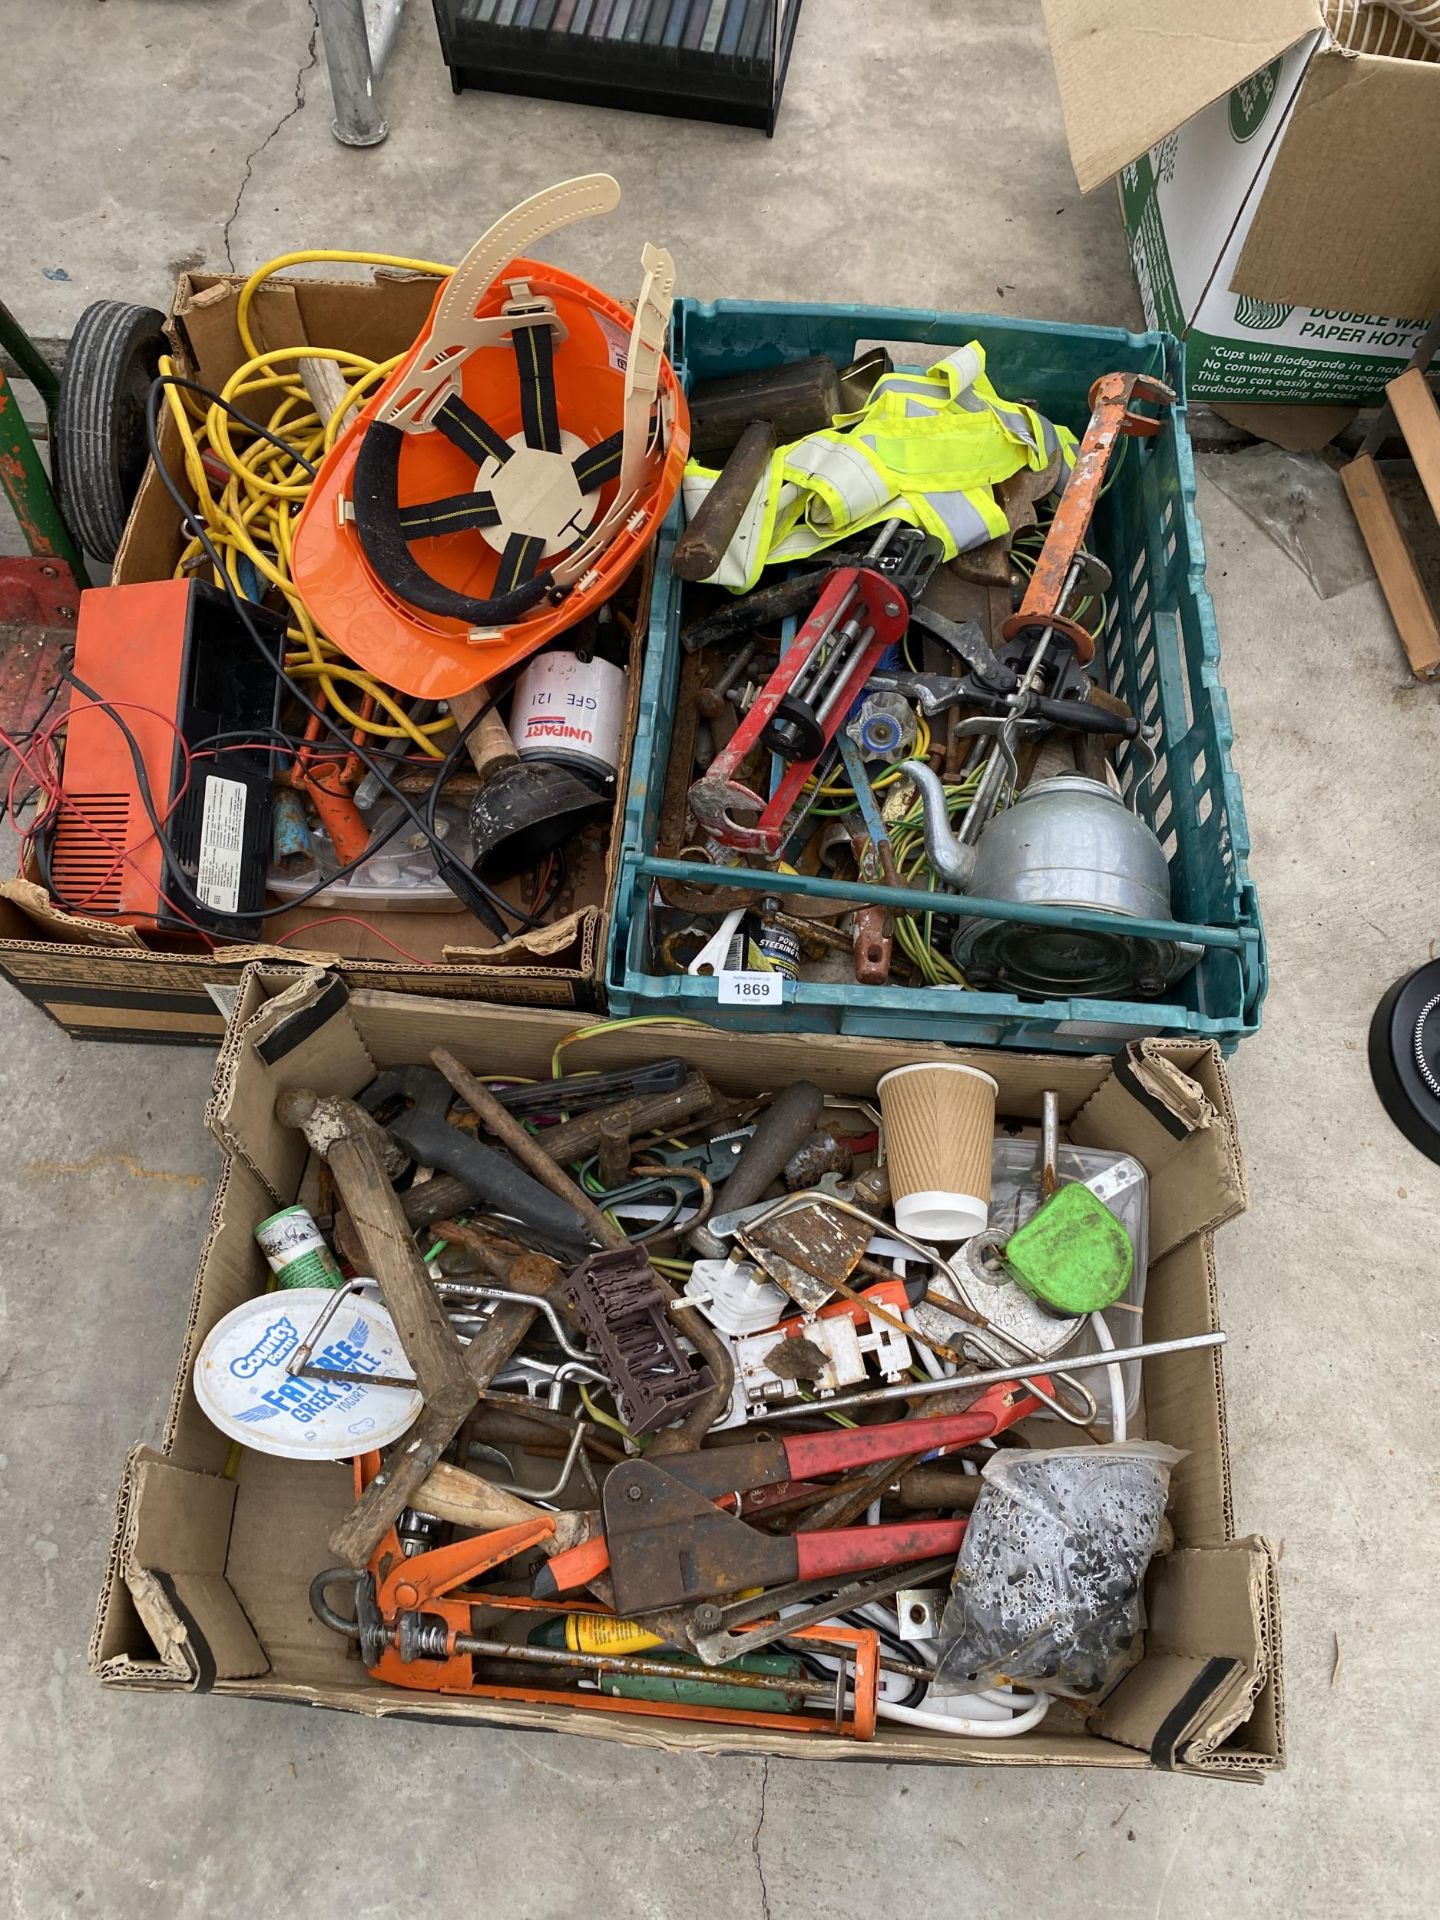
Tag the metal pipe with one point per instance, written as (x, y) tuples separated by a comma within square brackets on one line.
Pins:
[(544, 1493), (950, 905), (484, 1291), (356, 49), (994, 1377), (382, 27), (856, 638), (797, 1689), (1049, 1142)]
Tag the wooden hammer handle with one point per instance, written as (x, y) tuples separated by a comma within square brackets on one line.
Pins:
[(712, 527)]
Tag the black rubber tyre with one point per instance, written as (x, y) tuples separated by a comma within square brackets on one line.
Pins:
[(100, 449), (1405, 1056)]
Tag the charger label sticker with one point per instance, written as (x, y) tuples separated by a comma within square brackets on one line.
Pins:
[(750, 989), (222, 842)]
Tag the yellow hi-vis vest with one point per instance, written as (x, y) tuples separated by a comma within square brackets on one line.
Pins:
[(928, 447)]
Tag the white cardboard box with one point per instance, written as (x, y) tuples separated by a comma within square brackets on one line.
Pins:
[(1281, 216)]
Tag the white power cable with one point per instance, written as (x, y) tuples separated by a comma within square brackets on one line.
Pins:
[(1119, 1425), (994, 1714), (968, 1727)]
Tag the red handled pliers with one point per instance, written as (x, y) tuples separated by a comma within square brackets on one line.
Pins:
[(666, 1542)]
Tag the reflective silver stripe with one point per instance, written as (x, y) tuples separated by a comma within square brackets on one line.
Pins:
[(840, 465), (963, 520), (1015, 422), (923, 383)]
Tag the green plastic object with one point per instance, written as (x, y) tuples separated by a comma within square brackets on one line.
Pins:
[(1162, 654), (708, 1688), (1073, 1256)]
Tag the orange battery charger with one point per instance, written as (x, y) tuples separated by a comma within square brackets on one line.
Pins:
[(173, 661)]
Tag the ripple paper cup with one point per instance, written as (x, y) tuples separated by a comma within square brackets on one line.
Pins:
[(939, 1134)]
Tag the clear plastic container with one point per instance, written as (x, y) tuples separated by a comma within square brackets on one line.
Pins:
[(400, 877), (1120, 1181)]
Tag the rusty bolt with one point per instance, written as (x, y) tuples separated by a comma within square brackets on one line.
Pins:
[(633, 1493), (66, 613)]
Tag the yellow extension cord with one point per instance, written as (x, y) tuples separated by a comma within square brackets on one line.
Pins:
[(251, 517)]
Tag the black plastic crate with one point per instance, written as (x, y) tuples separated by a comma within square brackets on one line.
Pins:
[(697, 59)]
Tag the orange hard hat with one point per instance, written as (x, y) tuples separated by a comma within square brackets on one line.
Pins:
[(511, 471)]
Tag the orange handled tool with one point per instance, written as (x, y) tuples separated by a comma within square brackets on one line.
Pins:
[(1112, 417), (416, 1620)]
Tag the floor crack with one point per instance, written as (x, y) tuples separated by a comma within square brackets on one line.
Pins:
[(312, 58), (755, 1840)]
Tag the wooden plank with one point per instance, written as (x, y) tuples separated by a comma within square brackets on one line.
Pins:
[(354, 1148), (1399, 577), (407, 1466), (430, 1343), (1419, 420), (278, 322)]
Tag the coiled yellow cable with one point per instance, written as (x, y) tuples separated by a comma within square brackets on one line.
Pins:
[(250, 514)]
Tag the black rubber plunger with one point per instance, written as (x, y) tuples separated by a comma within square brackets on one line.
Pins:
[(525, 808), (1405, 1056)]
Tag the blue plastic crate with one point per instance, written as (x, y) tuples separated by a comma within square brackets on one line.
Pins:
[(1161, 653)]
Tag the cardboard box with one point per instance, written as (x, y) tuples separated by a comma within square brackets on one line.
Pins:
[(207, 1585), (102, 981), (1277, 182)]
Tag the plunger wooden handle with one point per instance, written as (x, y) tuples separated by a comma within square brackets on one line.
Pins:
[(701, 547), (490, 745)]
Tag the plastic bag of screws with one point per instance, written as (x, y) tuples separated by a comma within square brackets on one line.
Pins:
[(1047, 1587)]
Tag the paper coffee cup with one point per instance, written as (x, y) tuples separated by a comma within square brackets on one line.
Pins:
[(939, 1134)]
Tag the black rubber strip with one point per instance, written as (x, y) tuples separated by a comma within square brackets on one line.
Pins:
[(136, 1036), (1165, 1747), (376, 499), (455, 514), (467, 430), (333, 997), (535, 358), (42, 993), (600, 463), (1126, 1075), (197, 1648), (519, 561)]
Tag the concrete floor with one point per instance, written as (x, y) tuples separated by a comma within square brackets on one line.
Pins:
[(919, 166)]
